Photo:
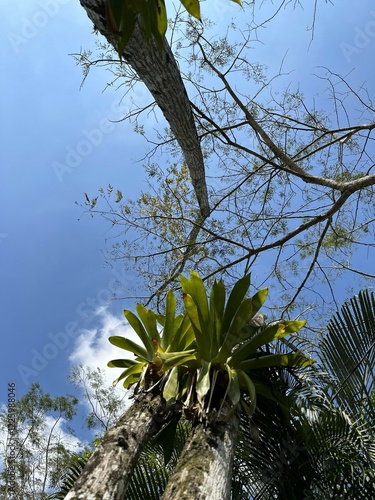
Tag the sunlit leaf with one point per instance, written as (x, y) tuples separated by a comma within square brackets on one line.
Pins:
[(193, 7), (129, 345), (139, 329), (203, 381), (234, 392), (178, 359), (133, 371), (217, 305), (289, 360), (159, 22), (239, 320), (119, 196), (235, 298), (271, 333), (203, 340), (121, 363), (148, 319), (258, 300), (169, 320), (171, 388), (197, 291)]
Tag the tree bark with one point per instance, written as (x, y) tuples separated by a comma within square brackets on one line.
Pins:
[(107, 473), (204, 469), (159, 72)]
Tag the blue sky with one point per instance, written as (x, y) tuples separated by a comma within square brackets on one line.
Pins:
[(54, 284)]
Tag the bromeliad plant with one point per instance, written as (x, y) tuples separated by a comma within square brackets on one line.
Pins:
[(207, 359)]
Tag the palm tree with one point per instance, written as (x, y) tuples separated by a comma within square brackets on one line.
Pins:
[(327, 450), (344, 439)]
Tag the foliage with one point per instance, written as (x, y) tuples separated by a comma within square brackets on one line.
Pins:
[(210, 354), (313, 438), (290, 177), (323, 447), (326, 449), (43, 442), (288, 181), (106, 403), (122, 16), (153, 469), (78, 462)]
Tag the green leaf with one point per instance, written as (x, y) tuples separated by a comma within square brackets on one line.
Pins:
[(129, 345), (121, 21), (193, 7), (139, 329), (165, 438), (182, 334), (148, 319), (177, 359), (119, 196), (203, 381), (171, 388), (246, 382), (121, 363), (217, 305), (196, 289), (269, 391), (235, 298), (292, 360), (114, 12), (134, 371), (130, 380), (258, 300), (234, 391), (271, 333), (159, 21), (239, 320), (203, 340), (169, 320)]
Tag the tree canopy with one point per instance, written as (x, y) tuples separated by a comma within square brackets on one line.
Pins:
[(290, 177), (283, 185)]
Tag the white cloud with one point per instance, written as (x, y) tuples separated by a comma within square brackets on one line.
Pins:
[(92, 348), (49, 428)]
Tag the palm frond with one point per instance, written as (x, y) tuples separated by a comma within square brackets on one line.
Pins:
[(151, 473), (71, 476), (348, 353)]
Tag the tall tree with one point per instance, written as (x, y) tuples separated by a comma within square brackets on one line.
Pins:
[(289, 181), (292, 182), (40, 438), (106, 404), (159, 72)]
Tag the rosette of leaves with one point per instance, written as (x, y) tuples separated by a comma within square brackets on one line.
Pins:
[(228, 349), (210, 356), (175, 345)]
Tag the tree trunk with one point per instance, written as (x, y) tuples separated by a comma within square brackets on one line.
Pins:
[(204, 469), (107, 473), (158, 70)]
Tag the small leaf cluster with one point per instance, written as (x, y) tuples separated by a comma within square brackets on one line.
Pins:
[(122, 15), (205, 357)]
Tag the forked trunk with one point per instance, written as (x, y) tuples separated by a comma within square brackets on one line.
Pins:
[(204, 469), (107, 473)]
